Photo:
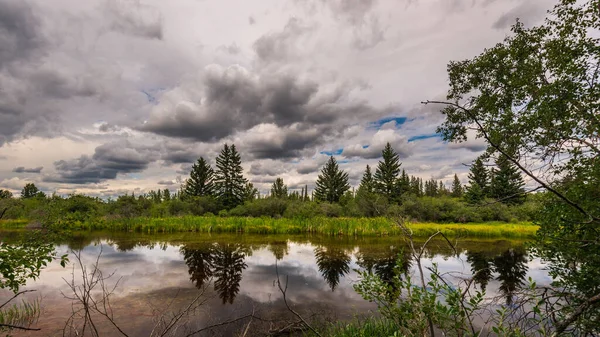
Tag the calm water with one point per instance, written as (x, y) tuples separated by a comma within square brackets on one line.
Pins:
[(160, 275)]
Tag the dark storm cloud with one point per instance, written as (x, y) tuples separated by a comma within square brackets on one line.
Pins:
[(22, 169), (108, 161), (107, 127), (19, 31), (293, 141), (236, 100), (132, 18), (268, 169)]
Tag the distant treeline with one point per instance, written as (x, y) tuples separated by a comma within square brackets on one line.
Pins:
[(491, 195)]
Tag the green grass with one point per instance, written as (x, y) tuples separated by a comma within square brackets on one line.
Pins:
[(17, 223), (323, 226), (366, 328)]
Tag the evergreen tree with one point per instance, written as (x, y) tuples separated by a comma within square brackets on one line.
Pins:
[(29, 191), (200, 183), (404, 183), (431, 188), (279, 189), (306, 198), (229, 182), (457, 189), (386, 174), (366, 183), (332, 183), (507, 183), (479, 181), (166, 194)]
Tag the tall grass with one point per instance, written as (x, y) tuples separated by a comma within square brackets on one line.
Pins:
[(323, 226), (362, 328)]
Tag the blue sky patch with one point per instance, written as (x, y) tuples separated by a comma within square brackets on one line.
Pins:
[(333, 153), (421, 137), (378, 123)]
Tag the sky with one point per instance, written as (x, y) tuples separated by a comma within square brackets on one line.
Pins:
[(105, 97)]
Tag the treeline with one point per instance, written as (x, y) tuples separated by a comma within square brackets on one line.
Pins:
[(494, 194)]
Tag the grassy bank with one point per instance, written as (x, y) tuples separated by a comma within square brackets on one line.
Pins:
[(324, 226)]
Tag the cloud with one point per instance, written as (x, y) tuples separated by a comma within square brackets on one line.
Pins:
[(251, 20), (131, 17), (526, 11), (22, 169), (268, 168), (166, 182), (280, 46), (373, 149), (20, 32), (108, 161)]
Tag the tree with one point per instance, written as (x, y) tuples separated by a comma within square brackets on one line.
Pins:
[(457, 189), (230, 184), (366, 183), (200, 183), (534, 98), (166, 194), (479, 180), (5, 194), (279, 189), (507, 182), (386, 174), (29, 191), (332, 182), (250, 192)]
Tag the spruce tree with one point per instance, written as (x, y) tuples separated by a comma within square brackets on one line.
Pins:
[(229, 182), (366, 183), (250, 192), (200, 183), (166, 194), (386, 174), (507, 183), (279, 189), (332, 182), (479, 180), (457, 189)]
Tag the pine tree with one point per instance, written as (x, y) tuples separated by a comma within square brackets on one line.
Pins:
[(366, 183), (507, 183), (479, 179), (250, 192), (279, 189), (386, 174), (332, 183), (306, 198), (166, 194), (404, 183), (200, 183), (457, 189), (229, 182)]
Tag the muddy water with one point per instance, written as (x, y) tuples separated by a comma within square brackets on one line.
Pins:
[(226, 277)]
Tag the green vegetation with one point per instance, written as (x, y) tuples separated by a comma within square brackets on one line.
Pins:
[(326, 226)]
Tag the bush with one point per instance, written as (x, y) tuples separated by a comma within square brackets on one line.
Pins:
[(301, 210)]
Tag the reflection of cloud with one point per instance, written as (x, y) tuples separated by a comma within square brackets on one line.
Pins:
[(151, 274)]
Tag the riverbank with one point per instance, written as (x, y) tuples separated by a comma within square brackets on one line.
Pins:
[(324, 226)]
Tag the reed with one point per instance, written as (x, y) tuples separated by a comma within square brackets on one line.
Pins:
[(323, 226)]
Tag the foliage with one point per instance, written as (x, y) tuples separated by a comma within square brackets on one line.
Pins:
[(457, 189), (29, 191), (279, 189), (230, 184), (507, 182), (535, 98), (332, 182), (5, 194), (479, 182), (386, 175), (200, 182), (25, 260)]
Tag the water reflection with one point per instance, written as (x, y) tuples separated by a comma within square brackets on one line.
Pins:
[(333, 264), (239, 269), (223, 261), (510, 266)]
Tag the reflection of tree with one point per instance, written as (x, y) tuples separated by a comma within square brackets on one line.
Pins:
[(229, 264), (386, 264), (481, 267), (224, 262), (511, 268), (279, 249), (333, 263), (200, 263)]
